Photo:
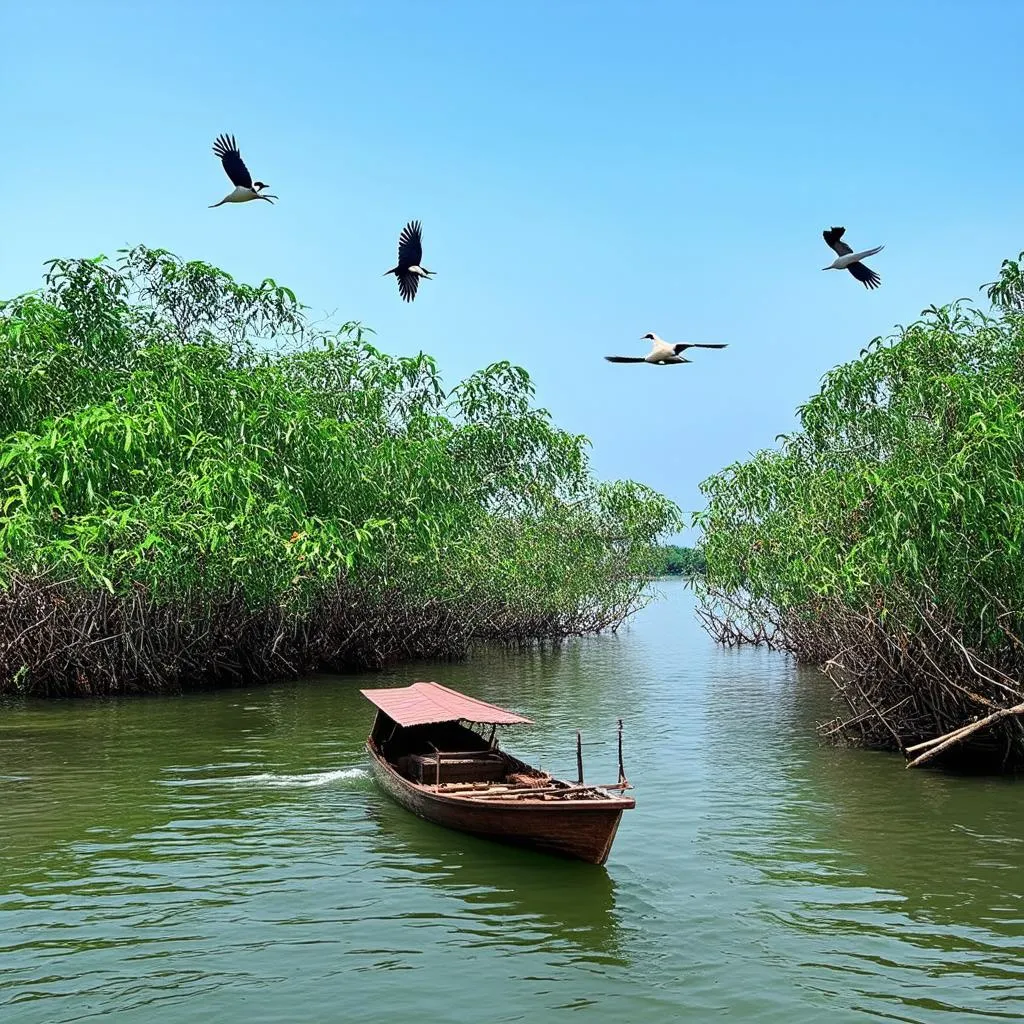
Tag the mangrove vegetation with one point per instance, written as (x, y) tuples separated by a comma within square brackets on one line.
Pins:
[(675, 560), (884, 539), (201, 485)]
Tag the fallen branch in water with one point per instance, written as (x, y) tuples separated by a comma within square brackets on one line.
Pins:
[(940, 743)]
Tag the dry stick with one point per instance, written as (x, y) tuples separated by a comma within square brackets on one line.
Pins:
[(895, 735), (29, 629), (855, 721), (943, 742), (970, 660), (948, 680), (925, 744)]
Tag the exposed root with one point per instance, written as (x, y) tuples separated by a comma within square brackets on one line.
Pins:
[(912, 677), (58, 640)]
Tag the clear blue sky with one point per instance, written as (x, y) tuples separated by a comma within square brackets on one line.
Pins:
[(585, 172)]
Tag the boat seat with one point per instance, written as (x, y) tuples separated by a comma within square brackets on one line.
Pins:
[(457, 766)]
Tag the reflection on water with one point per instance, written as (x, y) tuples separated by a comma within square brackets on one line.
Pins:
[(228, 856), (553, 905)]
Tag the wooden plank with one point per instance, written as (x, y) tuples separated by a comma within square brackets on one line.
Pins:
[(529, 791)]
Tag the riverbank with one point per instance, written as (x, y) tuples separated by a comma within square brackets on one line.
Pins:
[(204, 487), (883, 539)]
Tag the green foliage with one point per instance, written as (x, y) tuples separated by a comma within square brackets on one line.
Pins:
[(1008, 291), (674, 560), (888, 531), (171, 431), (907, 473)]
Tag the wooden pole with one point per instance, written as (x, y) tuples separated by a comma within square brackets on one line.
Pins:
[(437, 766), (579, 758), (940, 743), (622, 770)]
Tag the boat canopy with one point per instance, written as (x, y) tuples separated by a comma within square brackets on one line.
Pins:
[(428, 703)]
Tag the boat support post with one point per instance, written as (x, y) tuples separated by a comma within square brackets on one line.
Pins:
[(579, 758), (437, 763)]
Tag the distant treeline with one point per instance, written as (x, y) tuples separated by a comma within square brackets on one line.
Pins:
[(201, 486), (674, 560), (884, 539)]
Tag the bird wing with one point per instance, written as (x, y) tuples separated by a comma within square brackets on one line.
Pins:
[(407, 285), (869, 252), (865, 275), (833, 240), (227, 149), (625, 359), (684, 345), (410, 246)]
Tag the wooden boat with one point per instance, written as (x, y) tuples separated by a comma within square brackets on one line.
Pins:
[(426, 756)]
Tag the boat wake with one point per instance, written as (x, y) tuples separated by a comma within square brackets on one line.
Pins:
[(271, 780), (307, 781)]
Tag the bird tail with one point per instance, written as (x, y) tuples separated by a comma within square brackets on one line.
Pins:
[(625, 359)]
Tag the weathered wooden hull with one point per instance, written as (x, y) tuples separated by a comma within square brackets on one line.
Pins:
[(580, 829)]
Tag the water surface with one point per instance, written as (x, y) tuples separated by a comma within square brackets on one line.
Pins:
[(227, 857)]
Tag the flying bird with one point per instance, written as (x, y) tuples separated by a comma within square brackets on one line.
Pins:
[(245, 188), (410, 252), (662, 352), (847, 259)]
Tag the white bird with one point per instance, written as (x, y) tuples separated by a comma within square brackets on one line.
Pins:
[(245, 188), (847, 259), (410, 252), (662, 352)]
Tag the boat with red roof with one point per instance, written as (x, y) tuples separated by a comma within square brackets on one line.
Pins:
[(427, 756)]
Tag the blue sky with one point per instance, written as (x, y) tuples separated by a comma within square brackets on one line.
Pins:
[(585, 172)]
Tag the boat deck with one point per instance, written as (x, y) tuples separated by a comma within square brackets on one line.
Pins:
[(513, 791), (489, 775)]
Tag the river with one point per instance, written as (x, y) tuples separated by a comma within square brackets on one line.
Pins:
[(226, 857)]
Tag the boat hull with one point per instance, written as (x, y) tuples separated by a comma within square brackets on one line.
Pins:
[(579, 829)]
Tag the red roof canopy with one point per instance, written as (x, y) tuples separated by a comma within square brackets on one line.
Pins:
[(426, 703)]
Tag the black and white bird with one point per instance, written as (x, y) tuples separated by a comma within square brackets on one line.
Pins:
[(847, 259), (245, 188), (662, 352), (410, 252)]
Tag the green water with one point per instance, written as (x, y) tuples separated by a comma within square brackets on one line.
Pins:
[(226, 857)]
